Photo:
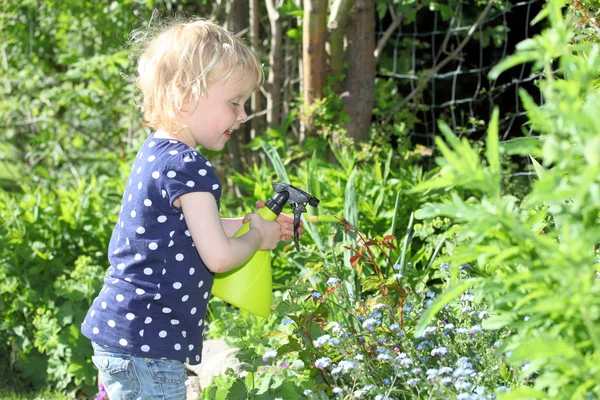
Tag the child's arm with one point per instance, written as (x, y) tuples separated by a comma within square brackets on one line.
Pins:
[(231, 225), (219, 252), (286, 223)]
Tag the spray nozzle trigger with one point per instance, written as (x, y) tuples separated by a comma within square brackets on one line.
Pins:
[(298, 199)]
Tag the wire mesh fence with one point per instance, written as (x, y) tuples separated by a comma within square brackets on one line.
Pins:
[(468, 45)]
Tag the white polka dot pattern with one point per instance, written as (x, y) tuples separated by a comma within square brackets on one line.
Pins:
[(151, 245)]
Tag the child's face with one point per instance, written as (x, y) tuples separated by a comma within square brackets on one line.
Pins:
[(211, 122)]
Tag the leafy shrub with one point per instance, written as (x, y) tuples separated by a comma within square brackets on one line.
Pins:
[(326, 343), (536, 256), (52, 264)]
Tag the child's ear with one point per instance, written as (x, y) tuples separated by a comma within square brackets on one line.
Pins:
[(185, 107)]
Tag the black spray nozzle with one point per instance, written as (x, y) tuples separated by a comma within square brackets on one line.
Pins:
[(297, 198)]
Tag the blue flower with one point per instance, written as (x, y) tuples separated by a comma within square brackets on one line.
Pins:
[(383, 357), (405, 362), (394, 327), (429, 330), (439, 351), (337, 390), (413, 381), (461, 384), (333, 281), (347, 365), (398, 276), (397, 266), (430, 294), (463, 362), (269, 354), (321, 340), (370, 324), (308, 392), (323, 362), (483, 314), (316, 295), (431, 374), (475, 329)]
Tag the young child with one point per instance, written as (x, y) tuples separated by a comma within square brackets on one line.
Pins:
[(169, 240)]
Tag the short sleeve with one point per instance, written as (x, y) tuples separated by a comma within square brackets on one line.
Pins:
[(188, 172)]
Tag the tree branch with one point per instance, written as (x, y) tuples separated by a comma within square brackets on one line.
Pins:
[(433, 71), (397, 19)]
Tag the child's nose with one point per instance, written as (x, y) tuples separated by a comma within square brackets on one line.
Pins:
[(242, 116)]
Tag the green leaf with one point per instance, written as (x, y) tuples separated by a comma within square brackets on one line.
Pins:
[(512, 61), (539, 170), (265, 382), (446, 297), (523, 393), (491, 151), (275, 159), (524, 146), (395, 217), (544, 348), (494, 322)]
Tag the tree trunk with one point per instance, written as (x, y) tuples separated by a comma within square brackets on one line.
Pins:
[(236, 21), (275, 67), (313, 54), (256, 123), (336, 25), (360, 78)]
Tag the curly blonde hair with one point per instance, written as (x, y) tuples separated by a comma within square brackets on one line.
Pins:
[(179, 63)]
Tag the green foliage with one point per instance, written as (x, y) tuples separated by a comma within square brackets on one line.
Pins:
[(51, 267), (537, 255), (326, 342)]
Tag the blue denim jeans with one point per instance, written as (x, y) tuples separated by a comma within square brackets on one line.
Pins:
[(127, 377)]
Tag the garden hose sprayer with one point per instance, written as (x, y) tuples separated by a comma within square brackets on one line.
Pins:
[(249, 286)]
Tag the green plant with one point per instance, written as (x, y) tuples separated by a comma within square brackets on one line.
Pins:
[(51, 268), (536, 257)]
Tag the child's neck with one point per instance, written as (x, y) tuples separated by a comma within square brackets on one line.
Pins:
[(162, 134)]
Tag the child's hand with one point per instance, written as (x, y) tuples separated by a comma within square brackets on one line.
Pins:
[(269, 230), (286, 222)]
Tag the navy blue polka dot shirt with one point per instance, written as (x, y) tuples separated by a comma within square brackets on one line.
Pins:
[(156, 291)]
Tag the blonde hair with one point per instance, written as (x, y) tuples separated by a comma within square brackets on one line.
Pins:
[(182, 61)]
